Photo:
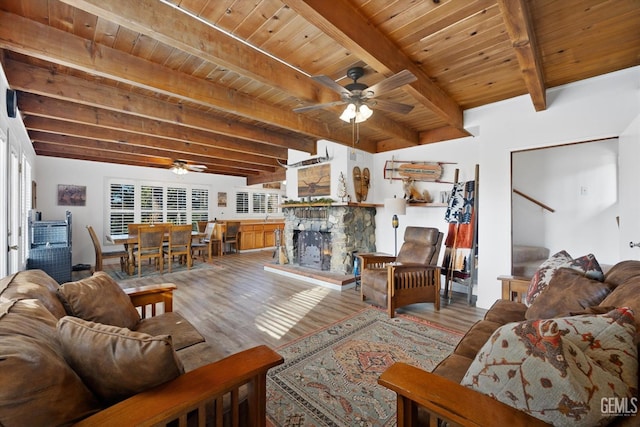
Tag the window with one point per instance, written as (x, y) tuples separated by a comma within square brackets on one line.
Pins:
[(136, 202), (177, 205), (260, 202), (242, 202), (199, 204)]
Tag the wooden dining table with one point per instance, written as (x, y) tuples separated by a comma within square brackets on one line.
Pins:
[(129, 242)]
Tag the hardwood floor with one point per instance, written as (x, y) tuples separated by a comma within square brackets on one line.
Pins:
[(239, 305)]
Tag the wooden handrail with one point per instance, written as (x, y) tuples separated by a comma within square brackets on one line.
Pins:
[(531, 199)]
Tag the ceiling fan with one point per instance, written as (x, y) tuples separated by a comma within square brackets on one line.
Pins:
[(360, 98), (181, 167)]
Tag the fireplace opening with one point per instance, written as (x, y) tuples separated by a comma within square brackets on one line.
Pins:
[(313, 249)]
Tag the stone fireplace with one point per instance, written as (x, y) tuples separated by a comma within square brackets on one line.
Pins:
[(324, 237)]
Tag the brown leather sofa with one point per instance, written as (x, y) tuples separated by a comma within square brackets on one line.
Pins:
[(438, 394), (89, 353)]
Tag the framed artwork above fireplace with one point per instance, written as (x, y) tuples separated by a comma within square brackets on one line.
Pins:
[(314, 181)]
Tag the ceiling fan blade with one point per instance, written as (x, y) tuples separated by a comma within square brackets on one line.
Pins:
[(394, 107), (317, 106), (196, 168), (331, 84), (390, 83)]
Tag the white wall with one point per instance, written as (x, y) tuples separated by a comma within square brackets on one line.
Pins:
[(629, 196), (94, 175), (578, 181)]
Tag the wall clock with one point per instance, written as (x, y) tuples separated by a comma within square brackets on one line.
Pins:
[(12, 103)]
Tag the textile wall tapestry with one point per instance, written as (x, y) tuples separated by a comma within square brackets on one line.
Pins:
[(72, 195), (314, 181)]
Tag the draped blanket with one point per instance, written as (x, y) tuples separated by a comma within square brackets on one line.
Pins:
[(460, 215)]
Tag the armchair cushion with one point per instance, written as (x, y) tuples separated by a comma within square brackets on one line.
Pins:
[(558, 370), (99, 299), (115, 362), (38, 386), (33, 284), (182, 332), (420, 245)]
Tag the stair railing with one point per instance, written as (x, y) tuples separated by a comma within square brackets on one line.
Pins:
[(532, 200)]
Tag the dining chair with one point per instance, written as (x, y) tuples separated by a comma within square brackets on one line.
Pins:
[(179, 245), (231, 235), (150, 246), (102, 255)]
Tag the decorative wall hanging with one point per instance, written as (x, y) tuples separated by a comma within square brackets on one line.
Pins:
[(308, 162), (417, 170), (72, 195), (361, 183), (222, 200), (314, 181)]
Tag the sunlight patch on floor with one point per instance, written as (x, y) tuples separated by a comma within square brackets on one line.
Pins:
[(279, 318)]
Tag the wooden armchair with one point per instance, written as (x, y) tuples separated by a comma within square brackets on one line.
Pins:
[(411, 277)]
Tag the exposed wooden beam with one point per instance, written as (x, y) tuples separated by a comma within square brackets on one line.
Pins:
[(34, 105), (342, 21), (519, 26), (177, 29), (93, 145), (33, 123), (42, 149), (41, 41), (47, 82), (264, 178)]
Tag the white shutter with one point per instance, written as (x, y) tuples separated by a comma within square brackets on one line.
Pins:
[(121, 207), (177, 205)]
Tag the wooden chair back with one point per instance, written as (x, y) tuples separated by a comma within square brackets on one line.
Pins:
[(180, 238), (231, 234), (100, 255), (150, 245)]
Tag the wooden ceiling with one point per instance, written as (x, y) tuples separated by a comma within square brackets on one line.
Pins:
[(215, 82)]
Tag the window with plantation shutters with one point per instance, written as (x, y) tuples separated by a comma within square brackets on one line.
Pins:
[(199, 204), (121, 207), (273, 203), (177, 205), (259, 203), (242, 202), (151, 204)]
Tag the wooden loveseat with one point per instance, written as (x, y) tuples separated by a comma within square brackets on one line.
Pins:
[(142, 364), (424, 397)]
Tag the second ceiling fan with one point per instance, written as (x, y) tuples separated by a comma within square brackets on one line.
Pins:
[(360, 98)]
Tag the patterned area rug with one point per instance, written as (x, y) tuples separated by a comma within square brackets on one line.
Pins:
[(330, 378), (149, 271)]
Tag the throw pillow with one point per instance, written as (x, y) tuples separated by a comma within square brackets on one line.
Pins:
[(114, 362), (99, 299), (38, 387), (569, 291), (559, 370), (540, 280)]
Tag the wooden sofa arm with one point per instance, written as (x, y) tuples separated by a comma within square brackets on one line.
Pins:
[(514, 288), (174, 400), (447, 400), (149, 297)]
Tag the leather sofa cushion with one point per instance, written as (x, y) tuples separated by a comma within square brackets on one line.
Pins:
[(182, 332), (33, 284), (38, 387), (419, 245), (475, 338), (505, 311), (99, 299), (569, 291), (453, 367), (376, 288), (627, 294), (622, 271), (114, 362)]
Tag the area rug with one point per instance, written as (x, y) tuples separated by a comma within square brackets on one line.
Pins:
[(329, 378), (149, 271)]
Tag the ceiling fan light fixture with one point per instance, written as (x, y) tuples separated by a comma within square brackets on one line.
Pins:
[(359, 113), (179, 170)]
